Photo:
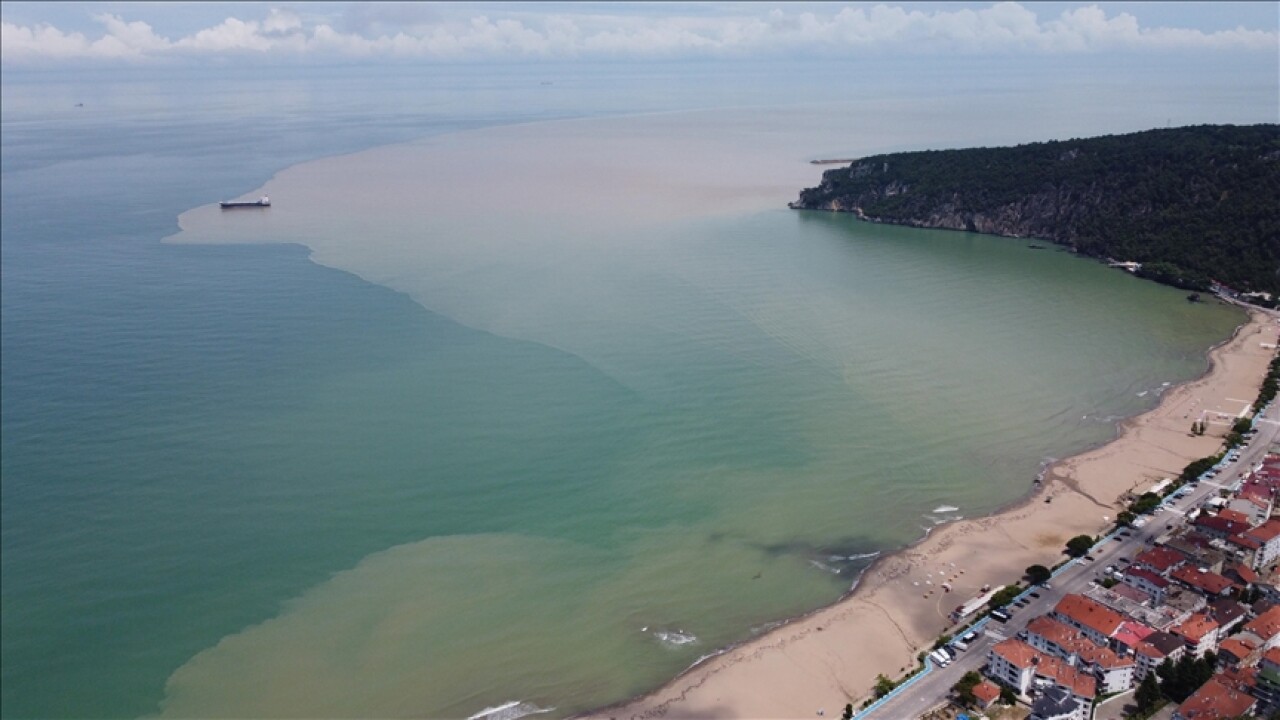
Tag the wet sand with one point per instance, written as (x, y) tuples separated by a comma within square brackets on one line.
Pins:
[(832, 656)]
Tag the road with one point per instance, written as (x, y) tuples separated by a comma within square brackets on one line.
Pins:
[(1074, 577)]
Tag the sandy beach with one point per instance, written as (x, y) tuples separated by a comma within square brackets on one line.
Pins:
[(832, 656)]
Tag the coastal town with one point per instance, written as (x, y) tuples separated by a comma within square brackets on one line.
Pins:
[(1175, 613)]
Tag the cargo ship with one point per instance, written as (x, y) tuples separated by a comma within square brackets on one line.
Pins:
[(263, 201)]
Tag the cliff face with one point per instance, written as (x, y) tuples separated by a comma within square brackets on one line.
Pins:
[(1196, 203)]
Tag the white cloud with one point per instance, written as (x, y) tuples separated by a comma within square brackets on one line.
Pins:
[(1004, 27)]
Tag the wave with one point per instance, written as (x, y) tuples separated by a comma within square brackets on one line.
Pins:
[(707, 657), (824, 566), (855, 556), (675, 638), (944, 509), (760, 629), (509, 711)]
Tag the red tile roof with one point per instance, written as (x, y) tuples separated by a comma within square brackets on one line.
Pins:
[(986, 692), (1272, 656), (1089, 613), (1209, 582), (1195, 627), (1074, 642), (1215, 701), (1267, 531), (1160, 558), (1233, 516), (1244, 572), (1244, 541), (1131, 633), (1016, 652), (1221, 525), (1022, 655), (1237, 647), (1266, 625)]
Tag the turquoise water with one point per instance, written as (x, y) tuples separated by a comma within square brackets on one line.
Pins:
[(239, 483)]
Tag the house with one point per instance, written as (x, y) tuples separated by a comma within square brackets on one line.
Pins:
[(1199, 632), (1129, 635), (1012, 662), (1267, 688), (1159, 560), (1265, 628), (1254, 504), (1220, 527), (1240, 574), (1154, 650), (1268, 534), (1237, 651), (1094, 619), (1215, 701), (1210, 583), (1199, 550), (1057, 703), (1146, 581), (1229, 614), (985, 694)]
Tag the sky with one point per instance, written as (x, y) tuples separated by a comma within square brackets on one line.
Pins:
[(38, 35)]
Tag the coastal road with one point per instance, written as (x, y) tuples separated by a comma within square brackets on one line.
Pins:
[(1076, 577)]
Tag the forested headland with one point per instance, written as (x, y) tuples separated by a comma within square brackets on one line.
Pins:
[(1193, 205)]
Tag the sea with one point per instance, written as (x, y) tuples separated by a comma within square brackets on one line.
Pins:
[(528, 392)]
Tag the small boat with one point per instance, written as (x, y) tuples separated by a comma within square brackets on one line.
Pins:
[(263, 201)]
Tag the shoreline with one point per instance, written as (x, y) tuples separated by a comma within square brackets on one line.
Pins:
[(820, 660)]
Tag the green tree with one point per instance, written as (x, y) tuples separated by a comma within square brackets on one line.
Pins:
[(1242, 426), (1126, 517), (1079, 545), (1007, 696), (1145, 503), (1038, 574), (964, 688), (848, 712), (1004, 596), (883, 686), (1179, 680), (1148, 693)]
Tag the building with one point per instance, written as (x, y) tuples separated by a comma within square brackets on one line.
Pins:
[(1020, 666), (985, 694), (1154, 650), (1267, 689), (1229, 614), (1094, 619), (1057, 703), (1265, 628), (1223, 525), (1129, 635), (1146, 581), (1215, 701), (1210, 583), (1113, 672), (1199, 632), (1159, 560), (1241, 574), (1238, 651), (1268, 534)]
